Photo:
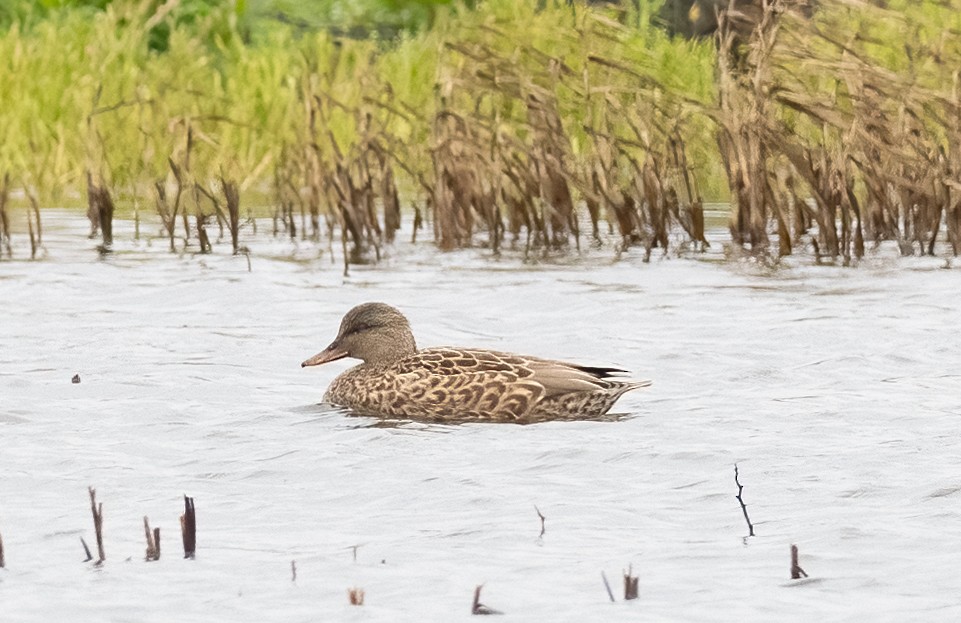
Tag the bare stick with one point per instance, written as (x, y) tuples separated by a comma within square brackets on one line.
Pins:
[(39, 230), (3, 562), (740, 488), (97, 511), (796, 571), (4, 219), (630, 584), (188, 527), (356, 596), (478, 607), (232, 197), (153, 540), (607, 585), (86, 550), (542, 520), (293, 570), (33, 239)]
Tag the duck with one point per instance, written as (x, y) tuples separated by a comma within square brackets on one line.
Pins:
[(395, 379)]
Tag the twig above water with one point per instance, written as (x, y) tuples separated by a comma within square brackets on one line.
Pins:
[(86, 550), (541, 515), (607, 585), (740, 488)]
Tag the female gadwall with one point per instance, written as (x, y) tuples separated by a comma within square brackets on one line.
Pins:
[(457, 384)]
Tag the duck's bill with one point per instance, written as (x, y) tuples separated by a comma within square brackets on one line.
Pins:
[(331, 353)]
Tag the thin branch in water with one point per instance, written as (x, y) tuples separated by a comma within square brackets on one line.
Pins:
[(3, 562), (607, 585), (539, 514), (740, 488), (796, 571), (478, 607), (86, 550), (293, 570)]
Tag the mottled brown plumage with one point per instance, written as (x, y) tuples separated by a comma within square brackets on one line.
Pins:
[(457, 384)]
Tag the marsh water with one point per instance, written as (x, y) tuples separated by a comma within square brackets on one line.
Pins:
[(836, 392)]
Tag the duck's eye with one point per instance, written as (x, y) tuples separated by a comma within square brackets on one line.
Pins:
[(359, 328)]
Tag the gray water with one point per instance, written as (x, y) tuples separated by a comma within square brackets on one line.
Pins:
[(835, 391)]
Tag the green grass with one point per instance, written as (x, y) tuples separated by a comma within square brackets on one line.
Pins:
[(91, 88)]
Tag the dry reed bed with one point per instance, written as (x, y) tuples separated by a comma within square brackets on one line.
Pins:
[(497, 164), (825, 141), (808, 109)]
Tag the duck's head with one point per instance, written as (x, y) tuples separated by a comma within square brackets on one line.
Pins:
[(374, 332)]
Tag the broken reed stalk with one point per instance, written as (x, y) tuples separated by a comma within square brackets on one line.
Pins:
[(355, 596), (100, 212), (188, 527), (153, 540), (740, 488), (167, 211), (34, 229), (93, 214), (630, 584), (35, 206), (97, 511), (3, 562), (477, 607), (796, 571), (201, 222), (542, 521), (4, 219), (232, 197), (33, 239), (293, 570), (607, 586)]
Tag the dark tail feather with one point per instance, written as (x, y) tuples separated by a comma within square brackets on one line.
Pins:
[(601, 372)]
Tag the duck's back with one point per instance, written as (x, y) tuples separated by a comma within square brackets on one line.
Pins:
[(457, 384)]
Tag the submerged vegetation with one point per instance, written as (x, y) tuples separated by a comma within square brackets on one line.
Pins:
[(501, 123)]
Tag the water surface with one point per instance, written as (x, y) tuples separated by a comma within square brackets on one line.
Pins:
[(835, 391)]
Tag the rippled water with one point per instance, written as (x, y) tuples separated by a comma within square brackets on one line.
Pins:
[(835, 391)]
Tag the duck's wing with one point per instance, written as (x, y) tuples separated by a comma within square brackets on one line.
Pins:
[(472, 384), (559, 377), (556, 377)]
